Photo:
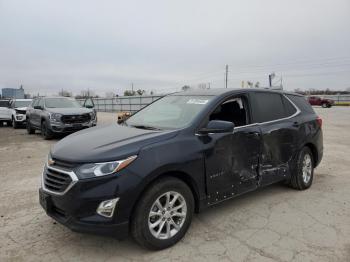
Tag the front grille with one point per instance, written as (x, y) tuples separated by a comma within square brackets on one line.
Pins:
[(56, 181), (76, 119), (66, 165)]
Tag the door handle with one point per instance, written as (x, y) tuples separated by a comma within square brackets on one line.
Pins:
[(296, 124), (253, 134)]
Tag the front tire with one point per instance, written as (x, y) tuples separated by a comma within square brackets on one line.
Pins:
[(14, 123), (45, 131), (303, 173), (324, 105), (30, 129), (163, 214)]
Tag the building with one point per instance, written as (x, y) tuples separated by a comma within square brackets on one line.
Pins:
[(17, 93)]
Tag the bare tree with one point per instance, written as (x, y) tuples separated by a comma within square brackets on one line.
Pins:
[(185, 87), (65, 93)]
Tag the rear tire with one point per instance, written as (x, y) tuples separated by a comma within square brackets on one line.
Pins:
[(9, 123), (45, 131), (302, 175), (30, 129), (163, 214)]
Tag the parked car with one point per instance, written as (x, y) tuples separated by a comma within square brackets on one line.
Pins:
[(179, 155), (14, 111), (319, 101), (58, 115), (5, 116)]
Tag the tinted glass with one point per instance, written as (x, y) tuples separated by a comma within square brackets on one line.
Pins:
[(61, 103), (301, 103), (289, 108), (267, 107), (170, 112)]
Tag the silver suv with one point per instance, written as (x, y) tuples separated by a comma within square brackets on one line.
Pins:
[(58, 115)]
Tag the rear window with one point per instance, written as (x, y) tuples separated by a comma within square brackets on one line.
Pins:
[(288, 107), (267, 107), (302, 103)]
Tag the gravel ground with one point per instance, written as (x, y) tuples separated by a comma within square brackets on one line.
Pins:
[(272, 224)]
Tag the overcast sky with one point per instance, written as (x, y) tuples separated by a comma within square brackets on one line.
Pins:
[(163, 45)]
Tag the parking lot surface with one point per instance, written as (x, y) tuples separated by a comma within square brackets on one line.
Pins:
[(272, 224)]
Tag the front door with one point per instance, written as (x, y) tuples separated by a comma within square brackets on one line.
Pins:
[(231, 159)]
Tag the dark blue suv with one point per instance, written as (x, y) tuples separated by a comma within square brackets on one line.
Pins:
[(182, 153)]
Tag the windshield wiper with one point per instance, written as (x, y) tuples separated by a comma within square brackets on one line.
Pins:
[(146, 127)]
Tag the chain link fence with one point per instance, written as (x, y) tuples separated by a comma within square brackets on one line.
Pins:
[(122, 104), (135, 103)]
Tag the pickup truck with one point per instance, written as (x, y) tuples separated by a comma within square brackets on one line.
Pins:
[(319, 101)]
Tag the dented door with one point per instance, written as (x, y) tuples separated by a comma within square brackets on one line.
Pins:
[(231, 162)]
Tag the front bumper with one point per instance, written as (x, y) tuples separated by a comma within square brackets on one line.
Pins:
[(19, 118), (93, 225), (69, 128), (76, 208)]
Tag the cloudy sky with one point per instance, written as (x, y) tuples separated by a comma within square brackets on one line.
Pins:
[(162, 45)]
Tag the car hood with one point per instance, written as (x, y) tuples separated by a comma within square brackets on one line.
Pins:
[(106, 143), (21, 108), (69, 111)]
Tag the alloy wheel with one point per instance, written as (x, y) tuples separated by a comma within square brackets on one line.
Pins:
[(167, 215), (307, 168)]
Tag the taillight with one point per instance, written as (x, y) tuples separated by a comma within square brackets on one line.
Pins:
[(319, 121)]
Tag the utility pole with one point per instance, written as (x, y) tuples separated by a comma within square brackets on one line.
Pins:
[(226, 76), (132, 87)]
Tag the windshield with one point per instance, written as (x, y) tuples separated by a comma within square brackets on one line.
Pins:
[(22, 103), (61, 103), (170, 112)]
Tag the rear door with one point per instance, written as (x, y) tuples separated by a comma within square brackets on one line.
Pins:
[(279, 128), (4, 110)]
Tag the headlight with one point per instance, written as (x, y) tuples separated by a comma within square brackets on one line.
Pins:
[(92, 115), (103, 169), (55, 117)]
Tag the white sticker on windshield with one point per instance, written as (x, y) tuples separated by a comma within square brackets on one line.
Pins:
[(197, 101)]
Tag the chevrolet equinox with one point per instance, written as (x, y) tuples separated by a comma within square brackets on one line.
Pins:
[(182, 153)]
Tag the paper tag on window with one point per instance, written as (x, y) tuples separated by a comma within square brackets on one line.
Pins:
[(197, 101)]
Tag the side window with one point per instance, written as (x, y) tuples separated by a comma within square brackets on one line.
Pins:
[(288, 107), (267, 107), (301, 103), (233, 110)]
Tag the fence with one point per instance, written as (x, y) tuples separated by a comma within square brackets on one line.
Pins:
[(338, 98), (135, 103), (123, 103)]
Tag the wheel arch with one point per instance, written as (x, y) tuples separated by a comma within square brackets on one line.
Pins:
[(184, 177), (314, 152)]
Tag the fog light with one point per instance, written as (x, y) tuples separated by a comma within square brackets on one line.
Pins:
[(19, 117), (106, 208)]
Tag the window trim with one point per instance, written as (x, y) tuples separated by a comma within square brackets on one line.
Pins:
[(284, 118), (267, 122)]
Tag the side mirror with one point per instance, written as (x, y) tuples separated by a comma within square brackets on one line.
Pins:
[(217, 126), (38, 107)]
